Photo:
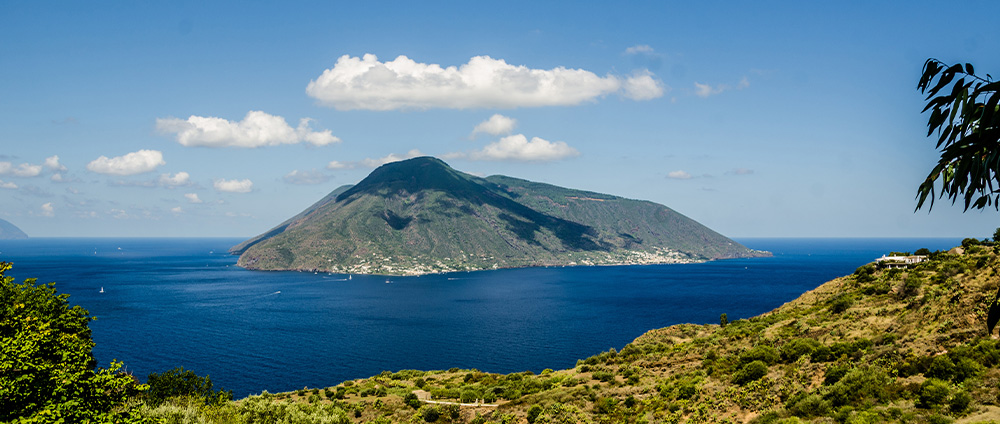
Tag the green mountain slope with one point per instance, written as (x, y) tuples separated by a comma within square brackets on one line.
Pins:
[(420, 216), (9, 231)]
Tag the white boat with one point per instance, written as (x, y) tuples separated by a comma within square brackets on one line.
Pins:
[(102, 290)]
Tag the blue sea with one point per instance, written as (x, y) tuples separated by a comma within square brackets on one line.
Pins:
[(183, 302)]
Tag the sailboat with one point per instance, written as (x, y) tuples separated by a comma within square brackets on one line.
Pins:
[(102, 290)]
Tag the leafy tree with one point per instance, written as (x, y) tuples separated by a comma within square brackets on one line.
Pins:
[(967, 123), (47, 369)]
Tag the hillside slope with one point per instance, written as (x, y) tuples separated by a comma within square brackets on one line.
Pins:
[(420, 216), (906, 346)]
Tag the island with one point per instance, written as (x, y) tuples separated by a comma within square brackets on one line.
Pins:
[(10, 231), (421, 216)]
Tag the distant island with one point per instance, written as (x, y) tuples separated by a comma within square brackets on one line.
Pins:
[(10, 231), (420, 216)]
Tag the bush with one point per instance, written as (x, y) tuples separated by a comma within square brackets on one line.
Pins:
[(430, 414), (911, 286), (841, 303), (411, 400), (959, 402), (48, 372), (763, 353), (933, 392), (796, 348), (533, 413), (861, 385), (723, 320), (185, 383), (810, 406), (750, 372)]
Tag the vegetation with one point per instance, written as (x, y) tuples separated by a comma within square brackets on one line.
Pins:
[(47, 370), (421, 216), (908, 346), (966, 117)]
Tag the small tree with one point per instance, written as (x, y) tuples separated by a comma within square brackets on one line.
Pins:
[(47, 369), (723, 320)]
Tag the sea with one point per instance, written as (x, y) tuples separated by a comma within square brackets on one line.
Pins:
[(162, 303)]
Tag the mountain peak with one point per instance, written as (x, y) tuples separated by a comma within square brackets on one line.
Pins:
[(420, 216)]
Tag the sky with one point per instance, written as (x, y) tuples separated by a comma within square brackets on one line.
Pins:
[(222, 119)]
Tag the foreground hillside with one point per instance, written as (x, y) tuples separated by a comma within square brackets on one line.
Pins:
[(421, 216), (904, 345)]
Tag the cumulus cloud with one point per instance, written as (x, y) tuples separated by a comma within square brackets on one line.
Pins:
[(130, 164), (48, 209), (22, 170), (257, 129), (52, 162), (177, 180), (192, 197), (306, 177), (679, 175), (706, 90), (176, 210), (483, 82), (517, 147), (8, 185), (496, 125), (233, 186), (374, 163), (641, 85)]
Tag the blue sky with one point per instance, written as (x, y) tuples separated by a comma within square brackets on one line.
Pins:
[(758, 119)]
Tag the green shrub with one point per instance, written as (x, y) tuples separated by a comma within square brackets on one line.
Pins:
[(796, 348), (810, 406), (533, 413), (841, 303), (911, 286), (861, 385), (834, 373), (750, 372), (48, 369), (412, 401), (178, 382), (941, 367), (933, 392), (764, 353), (430, 414)]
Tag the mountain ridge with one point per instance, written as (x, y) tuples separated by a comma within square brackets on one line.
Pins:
[(422, 216)]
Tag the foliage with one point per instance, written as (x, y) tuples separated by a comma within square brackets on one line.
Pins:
[(47, 369), (178, 382), (967, 123)]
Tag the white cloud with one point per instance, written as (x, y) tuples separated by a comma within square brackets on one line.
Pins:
[(8, 185), (234, 186), (483, 82), (176, 210), (517, 148), (336, 164), (496, 125), (52, 162), (48, 210), (306, 177), (374, 163), (22, 170), (192, 197), (642, 86), (706, 90), (56, 178), (679, 175), (639, 49), (130, 164), (255, 130), (179, 179)]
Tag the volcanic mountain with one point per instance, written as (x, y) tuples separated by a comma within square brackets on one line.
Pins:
[(10, 231), (421, 216)]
